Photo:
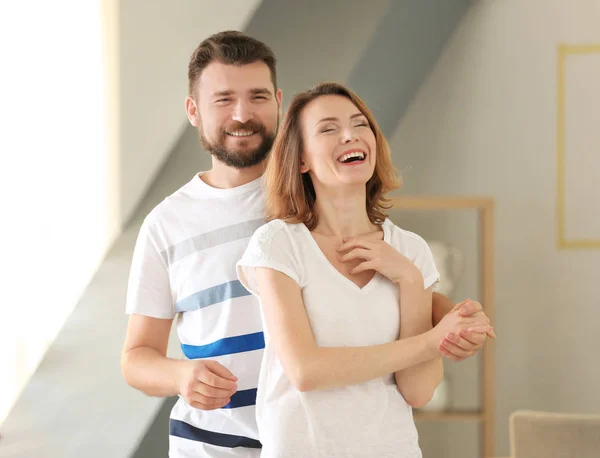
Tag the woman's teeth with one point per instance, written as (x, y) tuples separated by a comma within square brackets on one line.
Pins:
[(348, 157)]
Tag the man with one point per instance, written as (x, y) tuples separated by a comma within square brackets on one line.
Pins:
[(185, 256)]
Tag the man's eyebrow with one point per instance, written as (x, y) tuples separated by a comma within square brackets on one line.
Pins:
[(253, 91), (222, 93), (260, 90)]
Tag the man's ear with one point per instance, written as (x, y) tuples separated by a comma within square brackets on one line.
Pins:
[(279, 98), (191, 109)]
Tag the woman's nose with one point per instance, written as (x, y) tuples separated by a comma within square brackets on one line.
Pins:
[(349, 136)]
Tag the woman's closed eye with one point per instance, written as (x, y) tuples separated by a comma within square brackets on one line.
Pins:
[(326, 129)]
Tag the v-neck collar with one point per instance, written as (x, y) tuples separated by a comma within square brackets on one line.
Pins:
[(334, 270)]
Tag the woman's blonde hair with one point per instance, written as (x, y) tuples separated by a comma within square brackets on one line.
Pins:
[(290, 194)]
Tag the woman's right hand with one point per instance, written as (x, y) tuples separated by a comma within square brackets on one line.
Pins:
[(453, 323)]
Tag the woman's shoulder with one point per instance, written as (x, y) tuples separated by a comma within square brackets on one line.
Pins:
[(276, 229), (278, 225), (402, 236)]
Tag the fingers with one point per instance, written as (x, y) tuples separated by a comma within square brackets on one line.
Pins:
[(201, 396), (470, 322), (456, 349), (475, 338), (475, 309), (465, 344), (448, 354), (220, 370), (457, 306), (356, 253), (477, 319), (480, 329), (205, 403), (453, 352), (355, 242), (470, 307), (367, 265), (217, 376), (212, 392)]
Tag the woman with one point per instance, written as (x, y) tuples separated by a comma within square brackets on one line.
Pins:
[(331, 272)]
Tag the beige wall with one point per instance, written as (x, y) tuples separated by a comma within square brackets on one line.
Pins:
[(484, 123)]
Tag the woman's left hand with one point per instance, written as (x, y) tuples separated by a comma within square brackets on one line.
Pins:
[(378, 255)]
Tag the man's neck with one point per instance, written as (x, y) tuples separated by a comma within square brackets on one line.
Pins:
[(222, 176)]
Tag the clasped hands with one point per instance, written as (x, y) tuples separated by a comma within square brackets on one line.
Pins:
[(462, 332)]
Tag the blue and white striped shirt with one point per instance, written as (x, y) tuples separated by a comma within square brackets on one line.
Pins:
[(184, 266)]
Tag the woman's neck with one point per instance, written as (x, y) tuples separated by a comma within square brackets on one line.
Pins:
[(343, 214)]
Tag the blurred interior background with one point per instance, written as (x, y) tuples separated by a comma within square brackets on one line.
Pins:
[(478, 98)]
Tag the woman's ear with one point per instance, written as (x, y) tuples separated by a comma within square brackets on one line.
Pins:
[(303, 167)]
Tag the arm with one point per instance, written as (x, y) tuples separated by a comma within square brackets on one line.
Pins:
[(380, 256), (145, 366), (310, 367), (418, 382), (203, 384), (143, 361)]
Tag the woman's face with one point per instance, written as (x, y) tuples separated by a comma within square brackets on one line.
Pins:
[(339, 145)]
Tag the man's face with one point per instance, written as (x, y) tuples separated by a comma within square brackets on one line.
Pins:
[(237, 112)]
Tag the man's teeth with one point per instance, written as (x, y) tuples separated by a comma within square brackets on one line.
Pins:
[(241, 133), (348, 156)]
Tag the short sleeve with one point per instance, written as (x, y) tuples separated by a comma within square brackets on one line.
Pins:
[(271, 246), (425, 262), (415, 248), (149, 289)]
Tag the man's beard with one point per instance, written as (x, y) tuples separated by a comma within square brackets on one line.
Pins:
[(244, 157)]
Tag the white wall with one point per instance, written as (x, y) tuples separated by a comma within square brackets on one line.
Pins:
[(90, 109), (484, 123), (58, 165), (157, 41)]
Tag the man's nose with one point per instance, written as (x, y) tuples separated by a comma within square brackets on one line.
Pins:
[(242, 112)]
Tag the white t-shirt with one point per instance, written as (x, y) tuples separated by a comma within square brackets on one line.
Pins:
[(184, 265), (367, 420)]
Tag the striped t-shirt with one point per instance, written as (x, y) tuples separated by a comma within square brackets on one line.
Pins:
[(184, 265)]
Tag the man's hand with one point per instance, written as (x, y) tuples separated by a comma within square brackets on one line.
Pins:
[(466, 343), (206, 384)]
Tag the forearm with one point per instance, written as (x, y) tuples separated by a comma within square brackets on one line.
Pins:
[(310, 367), (441, 306), (150, 372), (417, 383), (333, 367)]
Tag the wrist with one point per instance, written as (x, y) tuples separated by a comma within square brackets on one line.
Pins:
[(431, 342), (180, 370)]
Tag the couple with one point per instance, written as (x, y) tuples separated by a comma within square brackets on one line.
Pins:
[(341, 363)]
